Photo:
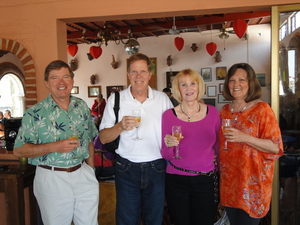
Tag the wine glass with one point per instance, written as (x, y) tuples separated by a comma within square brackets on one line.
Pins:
[(226, 123), (176, 132), (74, 136), (137, 114)]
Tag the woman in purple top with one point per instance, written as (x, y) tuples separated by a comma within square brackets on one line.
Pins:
[(191, 190)]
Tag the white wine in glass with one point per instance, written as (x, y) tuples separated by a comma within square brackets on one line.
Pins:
[(226, 123), (137, 115), (176, 132)]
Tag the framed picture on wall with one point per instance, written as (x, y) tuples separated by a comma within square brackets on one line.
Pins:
[(75, 90), (93, 91), (261, 79), (221, 87), (211, 91), (210, 101), (169, 76), (206, 74), (111, 89), (221, 99), (221, 73)]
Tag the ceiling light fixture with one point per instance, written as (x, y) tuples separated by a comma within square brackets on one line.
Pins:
[(224, 35), (105, 34)]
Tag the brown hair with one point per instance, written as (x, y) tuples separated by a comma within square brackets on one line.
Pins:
[(194, 77), (56, 65), (254, 91), (136, 57)]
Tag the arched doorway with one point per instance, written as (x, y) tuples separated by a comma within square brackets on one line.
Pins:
[(12, 94), (29, 74)]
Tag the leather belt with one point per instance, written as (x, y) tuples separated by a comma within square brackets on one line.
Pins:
[(192, 171), (69, 169)]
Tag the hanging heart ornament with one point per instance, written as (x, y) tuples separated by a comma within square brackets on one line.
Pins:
[(72, 49), (179, 42), (240, 27), (211, 48), (95, 51)]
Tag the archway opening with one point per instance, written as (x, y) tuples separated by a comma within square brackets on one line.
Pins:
[(12, 94)]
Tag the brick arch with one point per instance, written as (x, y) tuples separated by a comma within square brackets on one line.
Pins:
[(28, 66)]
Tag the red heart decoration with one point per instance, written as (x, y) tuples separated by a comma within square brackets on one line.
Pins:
[(240, 27), (211, 48), (72, 49), (179, 42), (95, 51)]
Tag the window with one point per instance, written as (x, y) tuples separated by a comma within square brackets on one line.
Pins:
[(12, 94)]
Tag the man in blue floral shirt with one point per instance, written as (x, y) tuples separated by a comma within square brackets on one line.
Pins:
[(65, 185)]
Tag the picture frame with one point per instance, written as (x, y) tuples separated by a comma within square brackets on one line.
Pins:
[(221, 99), (111, 89), (261, 79), (93, 91), (206, 74), (221, 87), (169, 76), (211, 91), (221, 72), (75, 90), (210, 101)]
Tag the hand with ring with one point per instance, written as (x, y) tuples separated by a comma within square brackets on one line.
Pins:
[(170, 141)]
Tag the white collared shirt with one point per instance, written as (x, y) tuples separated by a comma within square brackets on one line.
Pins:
[(147, 149)]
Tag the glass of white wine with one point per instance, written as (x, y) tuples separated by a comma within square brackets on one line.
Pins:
[(176, 132), (137, 114), (226, 123)]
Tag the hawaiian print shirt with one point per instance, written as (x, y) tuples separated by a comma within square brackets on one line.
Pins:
[(46, 122)]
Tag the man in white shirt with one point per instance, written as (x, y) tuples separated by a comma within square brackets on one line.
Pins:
[(139, 167)]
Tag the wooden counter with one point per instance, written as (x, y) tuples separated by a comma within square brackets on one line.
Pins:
[(13, 181), (8, 158)]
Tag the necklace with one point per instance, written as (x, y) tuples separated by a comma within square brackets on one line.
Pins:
[(189, 116), (237, 116)]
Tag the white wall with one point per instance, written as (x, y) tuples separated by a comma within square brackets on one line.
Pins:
[(258, 56)]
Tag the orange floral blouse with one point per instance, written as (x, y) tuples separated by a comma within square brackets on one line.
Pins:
[(246, 174)]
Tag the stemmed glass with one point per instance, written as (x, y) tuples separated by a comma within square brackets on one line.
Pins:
[(226, 123), (137, 114), (74, 136), (176, 132)]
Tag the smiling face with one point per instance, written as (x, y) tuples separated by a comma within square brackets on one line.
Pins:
[(60, 84), (188, 88), (139, 76), (238, 84)]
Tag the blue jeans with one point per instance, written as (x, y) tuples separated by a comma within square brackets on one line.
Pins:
[(140, 189)]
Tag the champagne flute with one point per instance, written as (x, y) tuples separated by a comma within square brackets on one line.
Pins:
[(176, 132), (74, 136), (137, 115), (226, 123)]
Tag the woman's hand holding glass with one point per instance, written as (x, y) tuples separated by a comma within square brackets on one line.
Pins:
[(226, 124), (232, 134), (174, 140)]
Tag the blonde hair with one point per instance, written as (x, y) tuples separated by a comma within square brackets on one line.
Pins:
[(194, 77)]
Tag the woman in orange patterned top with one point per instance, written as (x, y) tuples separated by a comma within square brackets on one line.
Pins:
[(253, 143)]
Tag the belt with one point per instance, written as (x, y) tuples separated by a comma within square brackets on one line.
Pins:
[(192, 171), (69, 169)]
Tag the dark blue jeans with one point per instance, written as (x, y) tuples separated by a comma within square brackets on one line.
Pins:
[(140, 189)]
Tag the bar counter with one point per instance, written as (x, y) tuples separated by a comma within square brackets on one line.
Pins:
[(16, 181)]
